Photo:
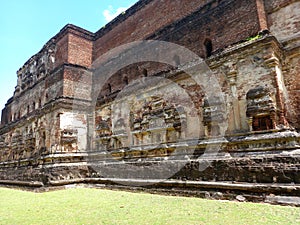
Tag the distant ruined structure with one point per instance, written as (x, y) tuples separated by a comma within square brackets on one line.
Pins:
[(54, 131)]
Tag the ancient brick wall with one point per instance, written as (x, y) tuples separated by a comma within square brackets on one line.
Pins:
[(73, 45), (137, 25), (274, 5), (284, 22), (49, 126), (61, 54), (77, 82), (223, 24), (212, 20), (79, 50), (292, 81)]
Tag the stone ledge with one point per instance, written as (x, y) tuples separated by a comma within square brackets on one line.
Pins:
[(35, 184), (251, 187), (283, 200)]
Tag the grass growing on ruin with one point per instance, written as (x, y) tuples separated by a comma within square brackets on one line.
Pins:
[(94, 206)]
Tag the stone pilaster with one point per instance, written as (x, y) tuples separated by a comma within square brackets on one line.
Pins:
[(232, 78), (273, 63)]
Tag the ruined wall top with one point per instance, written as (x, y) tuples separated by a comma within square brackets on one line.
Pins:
[(48, 58)]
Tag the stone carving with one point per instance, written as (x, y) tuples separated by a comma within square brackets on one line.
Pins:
[(69, 140), (36, 68), (213, 114), (261, 109), (154, 123)]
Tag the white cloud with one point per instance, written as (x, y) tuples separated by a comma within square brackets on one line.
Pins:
[(110, 13)]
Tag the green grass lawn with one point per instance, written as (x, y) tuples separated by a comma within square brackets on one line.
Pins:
[(96, 206)]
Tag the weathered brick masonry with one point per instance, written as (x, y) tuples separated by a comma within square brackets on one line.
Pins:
[(54, 133)]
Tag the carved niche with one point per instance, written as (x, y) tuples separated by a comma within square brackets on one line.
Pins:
[(157, 122), (213, 115), (30, 141), (17, 146), (261, 110), (69, 142)]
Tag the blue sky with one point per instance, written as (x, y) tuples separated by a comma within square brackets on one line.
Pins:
[(26, 25)]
